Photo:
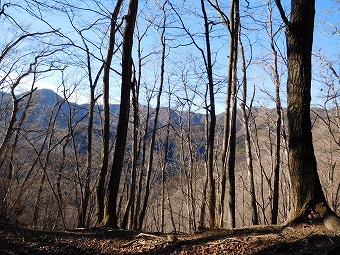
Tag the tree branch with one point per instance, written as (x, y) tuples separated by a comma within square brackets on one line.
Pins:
[(282, 12)]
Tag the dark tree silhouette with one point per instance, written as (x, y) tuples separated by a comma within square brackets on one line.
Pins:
[(110, 216), (308, 197), (106, 124)]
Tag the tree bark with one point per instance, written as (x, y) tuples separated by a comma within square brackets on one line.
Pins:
[(142, 167), (211, 135), (277, 162), (165, 163), (245, 123), (106, 125), (229, 139), (307, 195), (110, 212)]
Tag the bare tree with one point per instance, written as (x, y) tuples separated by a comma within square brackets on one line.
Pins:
[(245, 117), (19, 64), (110, 212), (212, 126), (274, 73), (211, 112), (307, 193), (106, 123), (229, 140), (155, 122)]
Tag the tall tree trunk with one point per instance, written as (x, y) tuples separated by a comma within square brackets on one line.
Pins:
[(276, 80), (142, 168), (165, 163), (202, 216), (137, 141), (231, 160), (232, 135), (229, 139), (154, 131), (110, 211), (245, 122), (307, 195), (87, 189), (130, 205), (37, 202), (211, 193), (106, 125), (255, 141)]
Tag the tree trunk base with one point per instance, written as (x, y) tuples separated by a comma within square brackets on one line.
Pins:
[(315, 213), (332, 222)]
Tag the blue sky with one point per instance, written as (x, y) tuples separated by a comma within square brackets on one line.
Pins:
[(326, 42)]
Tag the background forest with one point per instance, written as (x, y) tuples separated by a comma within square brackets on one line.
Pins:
[(206, 140)]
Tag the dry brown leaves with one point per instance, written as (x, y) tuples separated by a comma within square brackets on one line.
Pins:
[(302, 239)]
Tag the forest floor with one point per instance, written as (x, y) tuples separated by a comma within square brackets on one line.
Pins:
[(301, 239)]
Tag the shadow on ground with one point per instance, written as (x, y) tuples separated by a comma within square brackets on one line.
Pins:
[(303, 239)]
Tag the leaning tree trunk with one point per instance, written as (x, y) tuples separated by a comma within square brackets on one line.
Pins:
[(110, 212), (307, 195), (100, 190), (245, 123), (211, 192), (276, 80)]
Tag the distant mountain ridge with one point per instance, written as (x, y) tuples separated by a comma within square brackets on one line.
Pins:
[(47, 105), (46, 100)]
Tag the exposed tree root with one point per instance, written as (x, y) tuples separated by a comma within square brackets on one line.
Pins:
[(315, 213), (332, 222)]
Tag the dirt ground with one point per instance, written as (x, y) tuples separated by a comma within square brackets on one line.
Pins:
[(302, 239)]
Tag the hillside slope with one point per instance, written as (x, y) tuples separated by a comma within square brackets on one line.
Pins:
[(302, 239)]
